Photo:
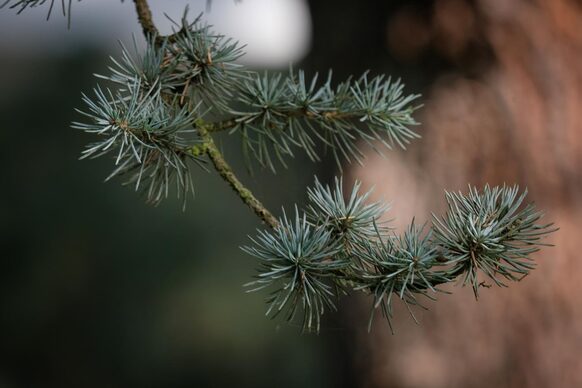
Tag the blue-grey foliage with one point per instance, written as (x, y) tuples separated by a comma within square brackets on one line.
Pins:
[(489, 231), (293, 112), (356, 254), (147, 138), (351, 220), (152, 68), (196, 70), (300, 261), (206, 63)]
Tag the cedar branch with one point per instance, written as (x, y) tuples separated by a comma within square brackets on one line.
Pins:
[(145, 18)]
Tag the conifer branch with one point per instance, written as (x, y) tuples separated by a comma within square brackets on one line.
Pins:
[(336, 246), (281, 114), (220, 164), (159, 120)]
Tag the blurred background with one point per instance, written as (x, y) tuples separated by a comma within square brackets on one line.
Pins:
[(98, 289)]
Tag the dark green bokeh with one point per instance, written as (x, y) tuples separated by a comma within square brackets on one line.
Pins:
[(99, 289)]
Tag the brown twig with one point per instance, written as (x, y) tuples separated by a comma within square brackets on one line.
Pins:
[(144, 16), (226, 172)]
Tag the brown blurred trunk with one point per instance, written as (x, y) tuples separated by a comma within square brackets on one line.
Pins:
[(520, 121)]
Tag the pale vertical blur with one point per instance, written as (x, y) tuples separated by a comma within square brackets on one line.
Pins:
[(518, 120)]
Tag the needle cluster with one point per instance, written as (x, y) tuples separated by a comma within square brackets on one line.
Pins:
[(486, 234), (281, 114), (152, 120)]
